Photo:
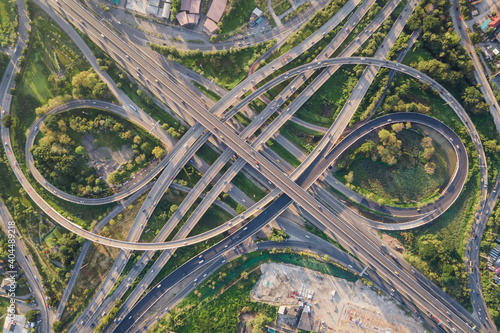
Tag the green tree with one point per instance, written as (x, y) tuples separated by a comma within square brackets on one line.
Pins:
[(240, 209), (80, 150), (57, 326), (398, 127), (137, 140), (367, 148), (260, 322), (157, 151), (349, 177), (278, 235), (173, 209), (146, 148), (474, 101), (31, 315), (7, 121), (431, 23)]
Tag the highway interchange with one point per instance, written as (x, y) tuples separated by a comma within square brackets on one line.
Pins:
[(365, 247)]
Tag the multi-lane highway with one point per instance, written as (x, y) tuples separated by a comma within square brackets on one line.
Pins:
[(148, 70), (309, 176), (247, 153)]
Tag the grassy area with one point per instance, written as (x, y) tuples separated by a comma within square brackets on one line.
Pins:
[(324, 105), (4, 61), (188, 176), (302, 137), (237, 15), (280, 6), (95, 268), (281, 151), (296, 12), (207, 154), (226, 68), (320, 18), (226, 294), (242, 119), (437, 249), (248, 187), (98, 262), (163, 211), (8, 23), (213, 96), (118, 227), (404, 184)]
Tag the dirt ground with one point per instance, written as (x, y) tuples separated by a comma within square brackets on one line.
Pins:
[(393, 243), (104, 159), (336, 304)]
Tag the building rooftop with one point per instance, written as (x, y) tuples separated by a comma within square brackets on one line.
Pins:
[(305, 322), (211, 26), (494, 22), (15, 327), (217, 10), (182, 18), (484, 26), (194, 7), (185, 5)]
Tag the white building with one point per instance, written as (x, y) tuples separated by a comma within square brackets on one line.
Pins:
[(17, 326)]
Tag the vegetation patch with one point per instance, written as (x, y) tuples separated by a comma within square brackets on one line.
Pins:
[(207, 154), (320, 18), (237, 15), (213, 96), (4, 61), (8, 22), (280, 6), (166, 207), (95, 268), (437, 250), (226, 67), (404, 167), (253, 191), (302, 137), (70, 137), (285, 154), (296, 12), (48, 66), (326, 103)]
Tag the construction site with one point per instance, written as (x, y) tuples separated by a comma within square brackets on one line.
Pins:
[(312, 301)]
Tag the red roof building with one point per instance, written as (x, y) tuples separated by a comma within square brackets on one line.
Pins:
[(494, 22)]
